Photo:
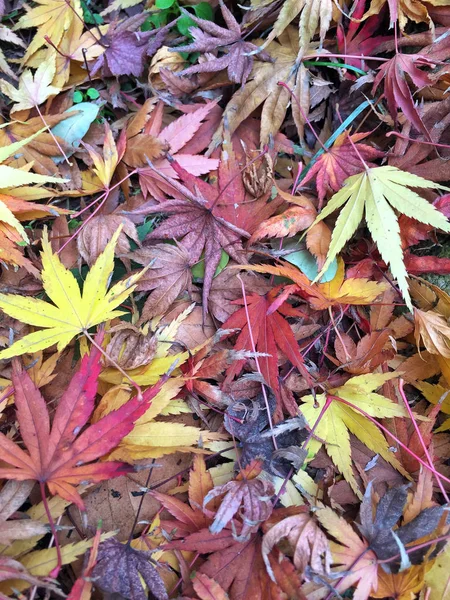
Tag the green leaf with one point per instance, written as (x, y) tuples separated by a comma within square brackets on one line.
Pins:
[(164, 4), (198, 270), (184, 23), (305, 261), (77, 96), (203, 11), (93, 94)]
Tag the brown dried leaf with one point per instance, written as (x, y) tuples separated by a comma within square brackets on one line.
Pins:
[(12, 496), (142, 147), (168, 276), (309, 543), (96, 234), (434, 331), (131, 347)]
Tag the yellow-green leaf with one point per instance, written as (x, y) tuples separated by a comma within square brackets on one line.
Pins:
[(340, 419), (378, 191)]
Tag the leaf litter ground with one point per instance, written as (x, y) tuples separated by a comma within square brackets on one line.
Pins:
[(224, 359)]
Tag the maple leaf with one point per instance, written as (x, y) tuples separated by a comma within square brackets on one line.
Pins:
[(271, 332), (119, 570), (312, 12), (175, 137), (131, 347), (11, 569), (72, 312), (39, 149), (168, 276), (309, 543), (263, 88), (339, 162), (57, 455), (433, 330), (352, 554), (52, 19), (396, 90), (379, 530), (238, 567), (93, 238), (33, 89), (252, 493), (237, 55), (193, 221), (127, 47), (104, 166), (378, 192), (339, 419), (189, 517), (208, 589), (359, 39), (295, 219), (404, 10), (323, 295), (437, 578)]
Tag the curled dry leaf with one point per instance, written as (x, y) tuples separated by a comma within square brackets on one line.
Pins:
[(120, 570), (310, 545), (253, 496), (131, 347), (98, 232), (432, 328)]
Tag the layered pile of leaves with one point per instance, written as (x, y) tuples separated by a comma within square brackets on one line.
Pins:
[(225, 299)]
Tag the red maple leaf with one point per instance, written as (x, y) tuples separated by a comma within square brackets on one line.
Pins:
[(360, 38), (396, 89), (341, 161), (270, 332), (59, 455)]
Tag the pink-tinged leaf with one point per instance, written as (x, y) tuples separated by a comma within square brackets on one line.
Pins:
[(183, 129), (208, 589)]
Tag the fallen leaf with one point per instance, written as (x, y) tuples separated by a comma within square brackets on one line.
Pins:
[(379, 191), (57, 455), (119, 570), (72, 312), (339, 418)]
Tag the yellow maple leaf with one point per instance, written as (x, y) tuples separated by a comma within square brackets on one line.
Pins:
[(52, 19), (71, 312), (339, 419)]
